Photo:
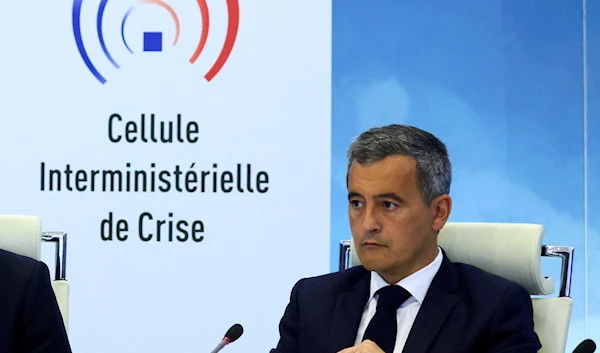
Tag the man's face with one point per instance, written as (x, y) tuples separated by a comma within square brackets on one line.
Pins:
[(393, 230)]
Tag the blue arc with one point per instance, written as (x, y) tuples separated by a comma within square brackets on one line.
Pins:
[(100, 34), (123, 28), (76, 18)]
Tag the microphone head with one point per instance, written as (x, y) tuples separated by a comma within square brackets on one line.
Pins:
[(587, 346), (234, 333)]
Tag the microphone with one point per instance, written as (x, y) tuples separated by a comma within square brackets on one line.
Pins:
[(587, 346), (236, 331)]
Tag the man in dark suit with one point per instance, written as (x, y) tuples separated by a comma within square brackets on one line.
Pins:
[(407, 296), (30, 320)]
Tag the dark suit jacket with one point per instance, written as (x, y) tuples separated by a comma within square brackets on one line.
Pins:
[(466, 310), (30, 320)]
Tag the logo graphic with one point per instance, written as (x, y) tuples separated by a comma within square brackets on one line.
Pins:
[(153, 41)]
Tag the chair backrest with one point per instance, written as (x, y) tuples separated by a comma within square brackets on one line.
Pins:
[(23, 235), (512, 251)]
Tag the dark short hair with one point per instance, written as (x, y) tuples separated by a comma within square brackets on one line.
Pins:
[(434, 171)]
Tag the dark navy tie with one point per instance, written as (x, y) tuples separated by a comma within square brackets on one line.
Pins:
[(383, 327)]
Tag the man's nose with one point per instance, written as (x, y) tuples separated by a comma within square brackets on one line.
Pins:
[(370, 221)]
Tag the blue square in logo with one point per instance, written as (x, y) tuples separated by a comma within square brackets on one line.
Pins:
[(152, 41)]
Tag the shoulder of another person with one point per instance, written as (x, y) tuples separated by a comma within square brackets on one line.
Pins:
[(15, 267)]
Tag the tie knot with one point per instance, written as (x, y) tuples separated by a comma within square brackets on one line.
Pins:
[(392, 297)]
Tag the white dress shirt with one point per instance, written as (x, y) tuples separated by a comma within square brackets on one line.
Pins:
[(417, 285)]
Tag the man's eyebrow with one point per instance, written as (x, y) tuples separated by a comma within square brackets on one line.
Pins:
[(353, 194), (390, 195)]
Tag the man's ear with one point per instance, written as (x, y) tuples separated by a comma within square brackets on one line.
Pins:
[(441, 207)]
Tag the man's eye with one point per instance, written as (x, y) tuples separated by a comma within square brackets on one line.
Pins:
[(355, 203), (389, 205)]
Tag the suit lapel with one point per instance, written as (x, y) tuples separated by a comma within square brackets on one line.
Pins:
[(438, 303), (347, 314)]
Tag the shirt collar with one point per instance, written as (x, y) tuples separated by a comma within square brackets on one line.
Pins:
[(417, 284)]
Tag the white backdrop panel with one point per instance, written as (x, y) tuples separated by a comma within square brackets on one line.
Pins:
[(269, 106)]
